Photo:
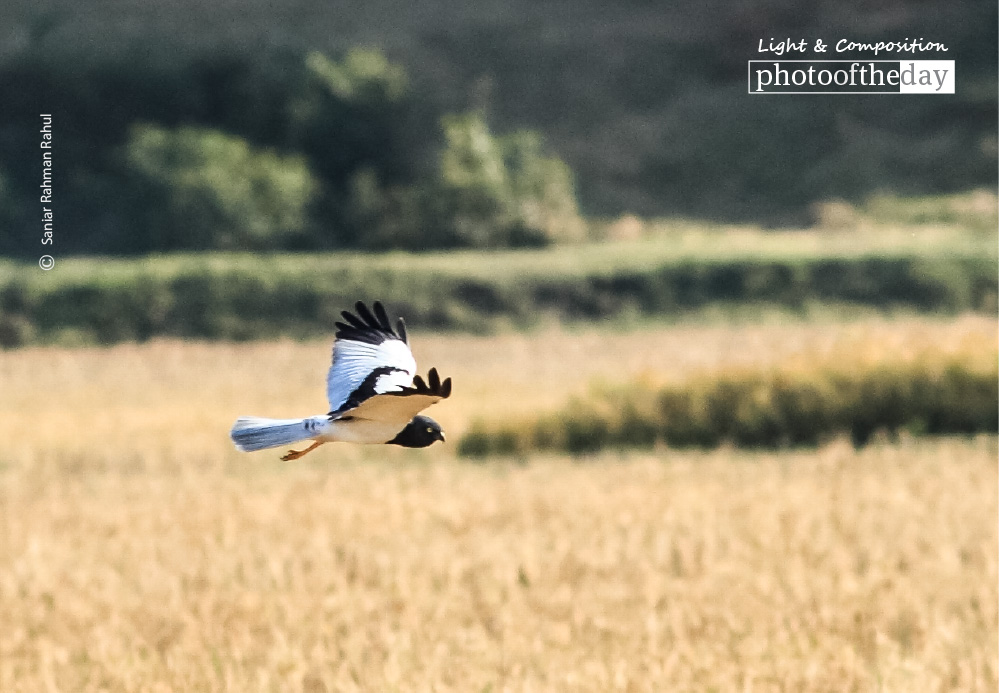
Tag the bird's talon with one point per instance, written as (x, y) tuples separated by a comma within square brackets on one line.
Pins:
[(295, 454)]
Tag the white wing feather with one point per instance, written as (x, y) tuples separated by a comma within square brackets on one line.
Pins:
[(354, 361)]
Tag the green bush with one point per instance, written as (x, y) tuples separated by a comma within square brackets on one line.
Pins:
[(242, 296), (487, 191), (933, 390), (208, 190), (502, 191)]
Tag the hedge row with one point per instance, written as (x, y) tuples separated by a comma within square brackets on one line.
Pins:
[(239, 296), (859, 392)]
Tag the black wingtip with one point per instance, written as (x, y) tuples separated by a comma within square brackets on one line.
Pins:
[(382, 317), (353, 320), (365, 314), (368, 326), (400, 327), (436, 388)]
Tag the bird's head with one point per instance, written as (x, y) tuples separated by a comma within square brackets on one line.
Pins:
[(421, 432)]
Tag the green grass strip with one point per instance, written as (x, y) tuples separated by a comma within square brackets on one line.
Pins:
[(245, 296)]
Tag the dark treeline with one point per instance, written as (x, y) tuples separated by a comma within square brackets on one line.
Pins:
[(171, 133), (245, 296), (289, 151)]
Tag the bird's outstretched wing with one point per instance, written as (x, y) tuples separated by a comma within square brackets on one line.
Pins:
[(399, 406), (369, 358)]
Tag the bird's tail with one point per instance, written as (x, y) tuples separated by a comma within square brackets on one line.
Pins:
[(251, 433)]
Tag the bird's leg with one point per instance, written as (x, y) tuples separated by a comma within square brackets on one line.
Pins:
[(295, 454)]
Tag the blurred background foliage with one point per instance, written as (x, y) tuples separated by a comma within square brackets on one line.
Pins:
[(204, 189), (459, 126), (337, 155), (857, 389), (673, 274)]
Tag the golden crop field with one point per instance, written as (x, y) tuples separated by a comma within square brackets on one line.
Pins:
[(140, 552)]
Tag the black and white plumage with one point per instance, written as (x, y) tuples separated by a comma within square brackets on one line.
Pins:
[(374, 393)]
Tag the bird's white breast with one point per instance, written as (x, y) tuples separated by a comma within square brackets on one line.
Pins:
[(362, 431)]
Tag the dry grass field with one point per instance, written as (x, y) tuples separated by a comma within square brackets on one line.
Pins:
[(140, 552)]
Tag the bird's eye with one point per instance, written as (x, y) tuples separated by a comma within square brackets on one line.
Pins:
[(429, 430)]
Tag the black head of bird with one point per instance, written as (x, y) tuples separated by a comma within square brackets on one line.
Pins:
[(421, 432)]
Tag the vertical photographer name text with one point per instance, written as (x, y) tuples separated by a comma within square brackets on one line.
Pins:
[(48, 232)]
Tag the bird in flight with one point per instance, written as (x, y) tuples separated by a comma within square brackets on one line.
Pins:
[(374, 393)]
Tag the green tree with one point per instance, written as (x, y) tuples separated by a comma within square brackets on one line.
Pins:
[(542, 193), (503, 190), (205, 189), (474, 191), (487, 191), (351, 115)]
